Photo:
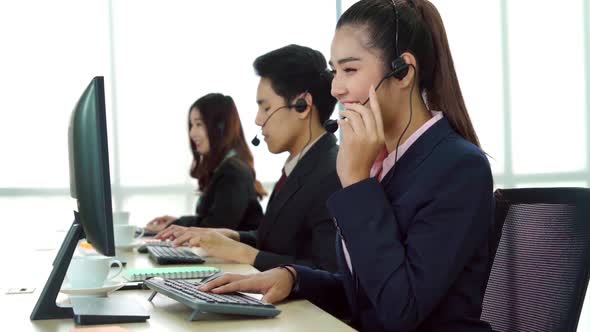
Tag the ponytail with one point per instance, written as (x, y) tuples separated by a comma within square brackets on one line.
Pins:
[(444, 93)]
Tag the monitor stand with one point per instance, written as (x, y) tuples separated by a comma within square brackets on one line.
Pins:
[(92, 311), (107, 310)]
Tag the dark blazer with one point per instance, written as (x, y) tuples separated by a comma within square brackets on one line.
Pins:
[(297, 228), (230, 200), (417, 242)]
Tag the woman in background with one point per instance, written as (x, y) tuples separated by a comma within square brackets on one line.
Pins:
[(224, 167)]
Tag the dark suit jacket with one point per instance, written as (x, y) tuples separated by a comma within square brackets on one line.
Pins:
[(417, 241), (297, 228), (230, 199)]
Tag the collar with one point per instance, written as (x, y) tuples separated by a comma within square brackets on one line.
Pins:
[(292, 161)]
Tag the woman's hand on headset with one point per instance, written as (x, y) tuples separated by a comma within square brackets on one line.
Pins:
[(362, 140)]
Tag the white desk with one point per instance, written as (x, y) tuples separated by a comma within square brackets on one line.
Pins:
[(166, 314)]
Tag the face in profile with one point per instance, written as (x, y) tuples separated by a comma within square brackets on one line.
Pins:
[(355, 68), (280, 131), (198, 132)]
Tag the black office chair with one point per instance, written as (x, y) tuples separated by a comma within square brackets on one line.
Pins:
[(501, 210), (541, 267)]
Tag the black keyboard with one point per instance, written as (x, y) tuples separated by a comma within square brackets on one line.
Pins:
[(187, 293), (167, 255), (147, 233)]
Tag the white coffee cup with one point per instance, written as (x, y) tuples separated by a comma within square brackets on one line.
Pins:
[(126, 234), (91, 271), (121, 218)]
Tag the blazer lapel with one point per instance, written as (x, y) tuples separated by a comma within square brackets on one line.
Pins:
[(293, 183), (345, 272), (417, 153), (290, 187)]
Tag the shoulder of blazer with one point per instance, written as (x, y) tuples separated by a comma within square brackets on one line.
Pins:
[(234, 167), (455, 148), (438, 147), (321, 158), (452, 154)]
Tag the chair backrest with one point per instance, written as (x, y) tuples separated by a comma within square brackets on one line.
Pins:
[(540, 270), (501, 210)]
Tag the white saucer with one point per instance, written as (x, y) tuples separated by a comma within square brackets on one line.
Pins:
[(129, 246), (108, 287)]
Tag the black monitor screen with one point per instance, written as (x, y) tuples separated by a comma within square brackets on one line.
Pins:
[(89, 167)]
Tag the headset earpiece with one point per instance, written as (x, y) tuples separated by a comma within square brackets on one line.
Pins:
[(399, 68), (300, 105)]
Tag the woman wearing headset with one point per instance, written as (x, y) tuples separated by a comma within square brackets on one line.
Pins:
[(416, 206), (224, 167)]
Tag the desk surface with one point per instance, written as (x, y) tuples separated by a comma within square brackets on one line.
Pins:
[(166, 314)]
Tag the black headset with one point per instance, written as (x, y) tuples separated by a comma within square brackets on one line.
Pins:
[(221, 125), (399, 69), (300, 105)]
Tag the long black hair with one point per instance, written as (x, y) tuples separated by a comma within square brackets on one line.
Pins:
[(421, 33), (225, 133)]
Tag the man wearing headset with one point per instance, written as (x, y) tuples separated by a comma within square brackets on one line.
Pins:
[(294, 101)]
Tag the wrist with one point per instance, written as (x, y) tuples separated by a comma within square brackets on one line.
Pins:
[(292, 274), (229, 233), (248, 254)]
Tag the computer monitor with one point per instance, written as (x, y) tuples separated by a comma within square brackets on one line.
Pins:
[(90, 186), (90, 182)]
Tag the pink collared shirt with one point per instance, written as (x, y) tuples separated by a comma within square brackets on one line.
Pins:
[(384, 162)]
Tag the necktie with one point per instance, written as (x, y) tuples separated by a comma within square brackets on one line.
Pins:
[(280, 182)]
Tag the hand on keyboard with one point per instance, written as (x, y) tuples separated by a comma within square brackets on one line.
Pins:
[(189, 294), (214, 242), (168, 233), (160, 223), (275, 284), (168, 255), (217, 245)]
